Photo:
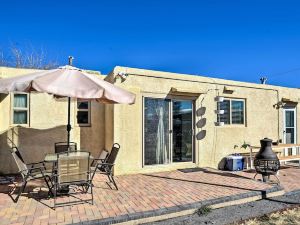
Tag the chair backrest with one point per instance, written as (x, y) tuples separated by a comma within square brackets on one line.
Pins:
[(22, 167), (73, 167), (104, 155), (113, 154), (63, 147)]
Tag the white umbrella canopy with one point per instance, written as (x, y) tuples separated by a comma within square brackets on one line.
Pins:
[(68, 81), (71, 82)]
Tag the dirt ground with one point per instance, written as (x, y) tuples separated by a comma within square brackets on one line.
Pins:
[(258, 212), (291, 216)]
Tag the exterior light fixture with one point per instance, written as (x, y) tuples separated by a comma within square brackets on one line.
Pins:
[(219, 99), (220, 111), (219, 124), (122, 76)]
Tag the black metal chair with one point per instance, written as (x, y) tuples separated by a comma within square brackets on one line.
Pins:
[(64, 147), (106, 166), (28, 172), (73, 169), (102, 157)]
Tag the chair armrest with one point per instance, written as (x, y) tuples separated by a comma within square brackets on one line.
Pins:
[(106, 164), (35, 163), (33, 169), (42, 169), (95, 159)]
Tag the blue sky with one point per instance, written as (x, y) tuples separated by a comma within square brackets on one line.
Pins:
[(239, 40)]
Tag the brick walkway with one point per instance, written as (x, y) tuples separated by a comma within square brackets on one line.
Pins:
[(137, 193)]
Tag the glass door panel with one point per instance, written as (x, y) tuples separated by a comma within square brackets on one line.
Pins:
[(182, 122), (290, 126), (289, 132), (156, 131)]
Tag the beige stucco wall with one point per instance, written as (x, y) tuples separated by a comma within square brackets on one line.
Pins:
[(124, 123), (48, 119), (262, 118)]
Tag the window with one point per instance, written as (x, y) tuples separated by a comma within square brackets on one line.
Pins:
[(84, 113), (234, 111), (20, 108)]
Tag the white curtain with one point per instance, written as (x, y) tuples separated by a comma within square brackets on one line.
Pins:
[(161, 146), (20, 102)]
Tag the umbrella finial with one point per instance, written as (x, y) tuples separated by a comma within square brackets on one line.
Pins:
[(71, 60)]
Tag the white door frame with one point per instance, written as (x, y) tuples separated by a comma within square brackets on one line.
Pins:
[(170, 99), (293, 150), (284, 124)]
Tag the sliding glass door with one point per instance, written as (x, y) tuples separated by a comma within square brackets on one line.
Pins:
[(156, 131), (168, 131), (182, 130)]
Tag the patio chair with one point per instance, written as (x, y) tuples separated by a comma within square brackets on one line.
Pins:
[(63, 147), (102, 157), (28, 172), (73, 169), (106, 166)]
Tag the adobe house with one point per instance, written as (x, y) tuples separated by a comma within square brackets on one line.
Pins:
[(178, 120)]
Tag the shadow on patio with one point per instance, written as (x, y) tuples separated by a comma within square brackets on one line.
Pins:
[(139, 195)]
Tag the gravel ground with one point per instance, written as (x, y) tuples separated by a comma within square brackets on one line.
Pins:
[(238, 213)]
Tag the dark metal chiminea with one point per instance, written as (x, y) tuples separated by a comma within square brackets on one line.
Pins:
[(266, 161)]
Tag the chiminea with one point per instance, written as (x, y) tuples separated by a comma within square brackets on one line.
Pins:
[(266, 161)]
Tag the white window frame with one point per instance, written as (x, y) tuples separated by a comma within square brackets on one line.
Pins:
[(13, 108), (84, 110), (230, 112)]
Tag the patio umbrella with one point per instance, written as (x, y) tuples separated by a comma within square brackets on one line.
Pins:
[(71, 82)]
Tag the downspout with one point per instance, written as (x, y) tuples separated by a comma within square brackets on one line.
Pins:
[(278, 115)]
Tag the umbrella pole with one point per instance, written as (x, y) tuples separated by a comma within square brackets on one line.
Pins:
[(69, 121), (69, 108)]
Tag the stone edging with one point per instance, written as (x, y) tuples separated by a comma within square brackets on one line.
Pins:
[(141, 217)]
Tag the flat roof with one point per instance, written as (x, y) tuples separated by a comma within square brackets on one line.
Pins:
[(193, 78)]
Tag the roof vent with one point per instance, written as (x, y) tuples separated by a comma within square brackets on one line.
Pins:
[(263, 80)]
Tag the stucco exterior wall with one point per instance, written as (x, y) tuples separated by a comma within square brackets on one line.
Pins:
[(124, 123), (48, 119), (212, 143)]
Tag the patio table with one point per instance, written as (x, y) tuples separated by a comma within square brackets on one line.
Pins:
[(52, 158)]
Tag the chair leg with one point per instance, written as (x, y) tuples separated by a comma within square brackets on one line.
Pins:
[(113, 181), (21, 190), (255, 176), (108, 175), (277, 179), (50, 188), (94, 173), (55, 193), (92, 194)]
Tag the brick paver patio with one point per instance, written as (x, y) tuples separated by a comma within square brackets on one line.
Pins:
[(137, 193), (289, 177)]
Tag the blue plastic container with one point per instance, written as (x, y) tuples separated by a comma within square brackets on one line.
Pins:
[(235, 163)]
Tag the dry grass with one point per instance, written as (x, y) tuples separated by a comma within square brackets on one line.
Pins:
[(288, 217)]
